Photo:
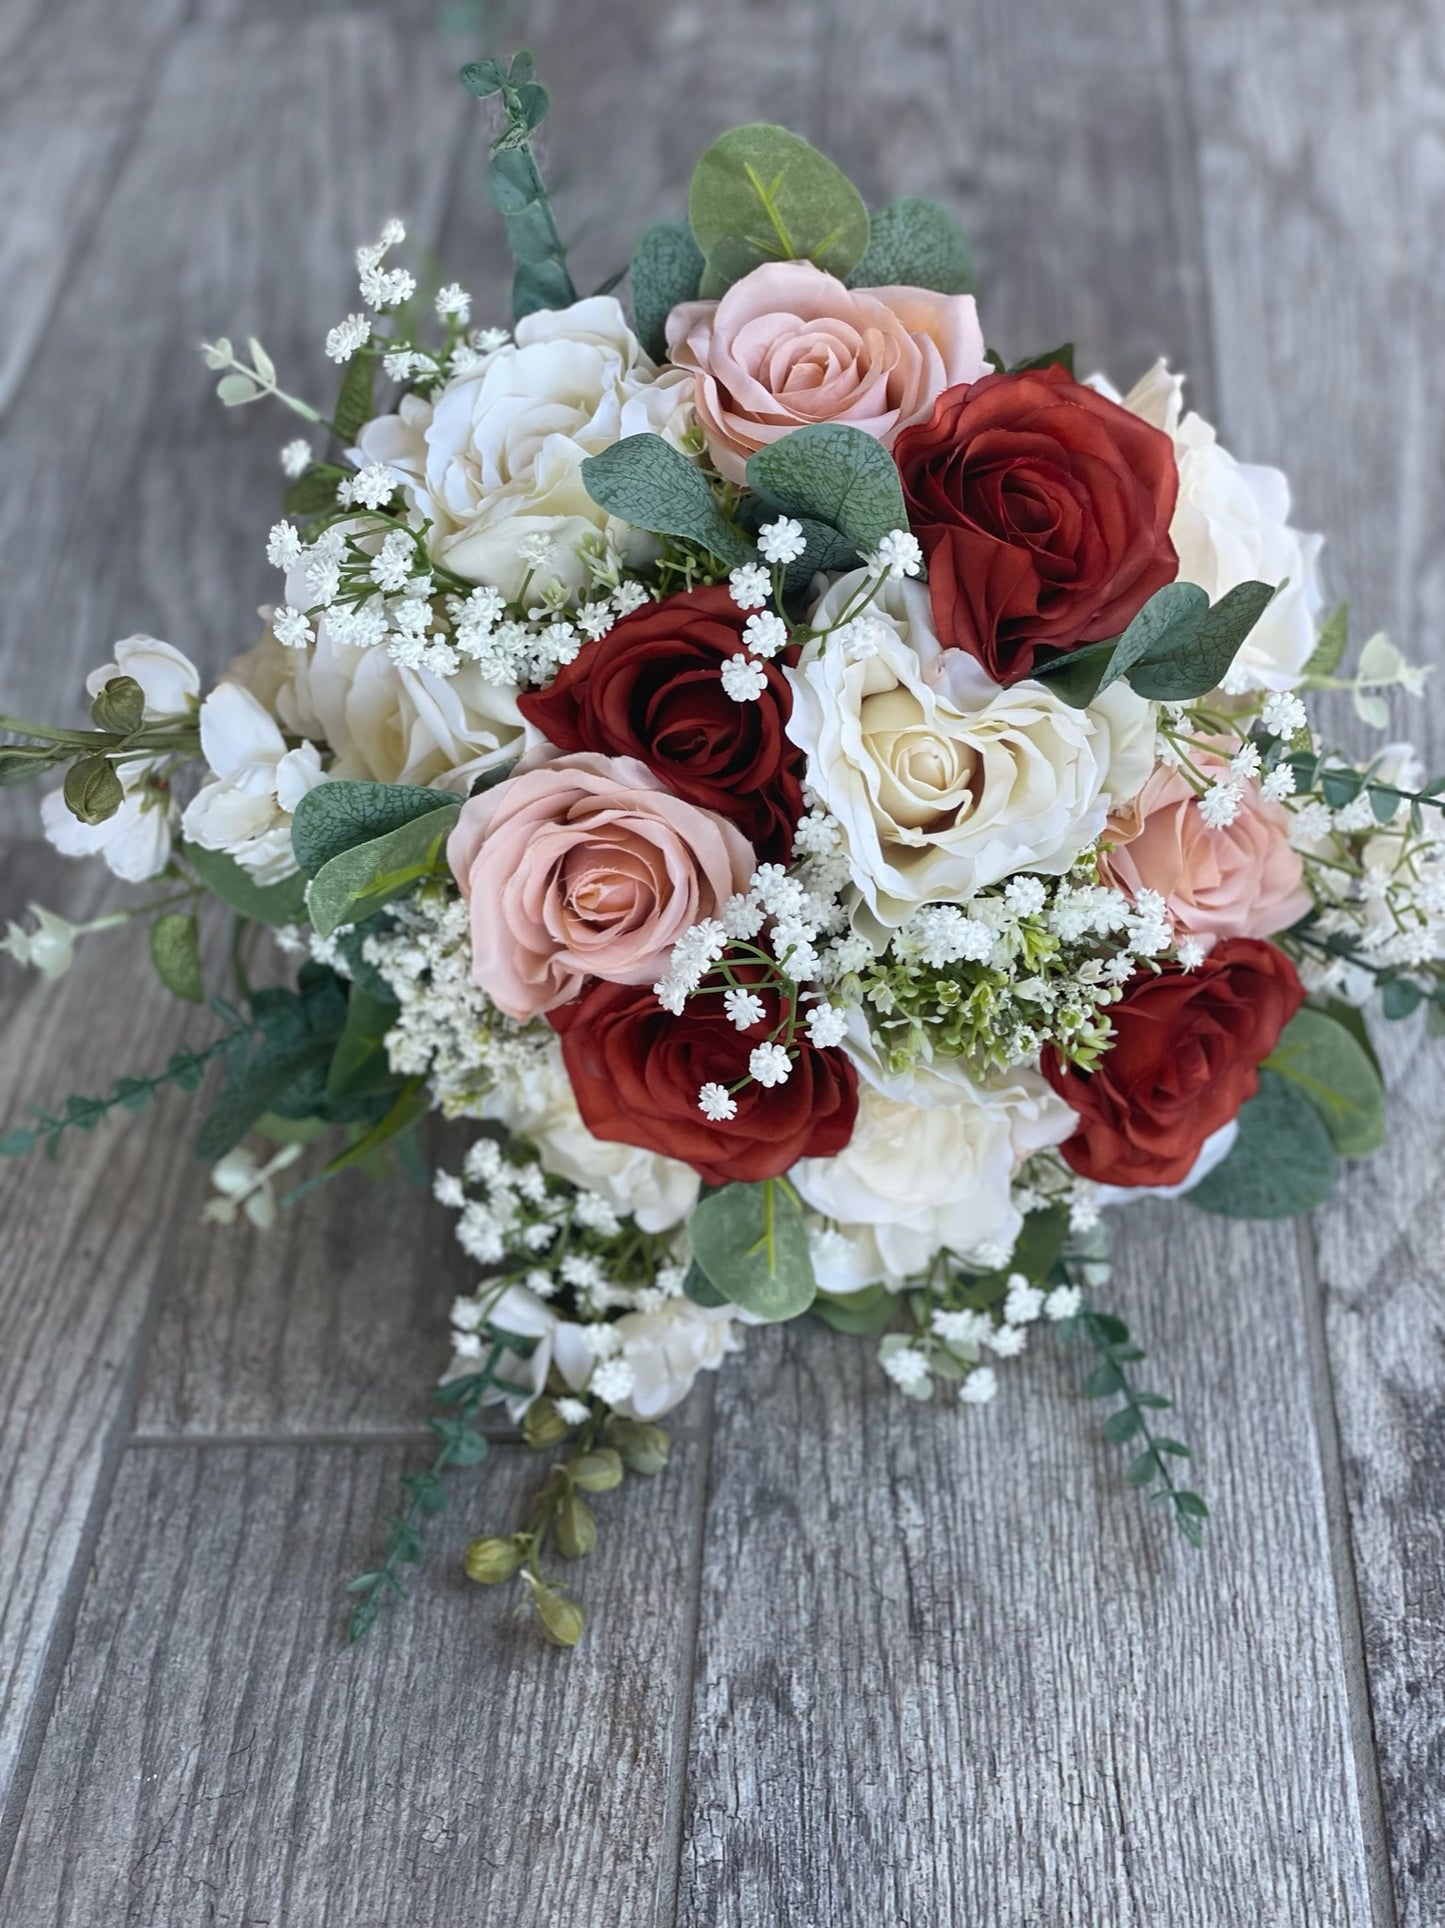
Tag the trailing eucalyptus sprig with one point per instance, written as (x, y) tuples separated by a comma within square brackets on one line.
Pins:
[(516, 186), (461, 1445), (1150, 1466)]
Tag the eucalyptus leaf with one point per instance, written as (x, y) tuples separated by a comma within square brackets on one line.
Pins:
[(1075, 678), (646, 481), (836, 474), (359, 1066), (1282, 1163), (283, 903), (1192, 656), (333, 817), (666, 268), (1337, 1076), (1172, 612), (857, 1312), (360, 880), (773, 197), (915, 243), (752, 1243)]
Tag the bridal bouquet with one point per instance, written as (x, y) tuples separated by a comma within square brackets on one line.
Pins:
[(833, 809)]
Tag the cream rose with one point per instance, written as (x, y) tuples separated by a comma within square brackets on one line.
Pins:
[(789, 345), (496, 457), (538, 1103), (1231, 525), (586, 866), (943, 782), (930, 1164), (1243, 880)]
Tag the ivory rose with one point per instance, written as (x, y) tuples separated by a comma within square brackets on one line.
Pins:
[(943, 782), (586, 867), (1231, 525), (789, 345), (1243, 880), (495, 458)]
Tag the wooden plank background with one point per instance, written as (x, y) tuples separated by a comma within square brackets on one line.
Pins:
[(850, 1662)]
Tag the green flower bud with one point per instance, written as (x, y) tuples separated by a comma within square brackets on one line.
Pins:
[(644, 1448), (543, 1425), (92, 789), (491, 1560), (562, 1619), (576, 1528), (597, 1472), (120, 706)]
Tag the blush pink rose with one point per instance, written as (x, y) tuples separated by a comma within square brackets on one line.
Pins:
[(788, 345), (586, 867), (1241, 881)]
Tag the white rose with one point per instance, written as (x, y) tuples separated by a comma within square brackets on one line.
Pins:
[(942, 781), (1231, 526), (497, 456), (245, 810), (930, 1165), (658, 1192)]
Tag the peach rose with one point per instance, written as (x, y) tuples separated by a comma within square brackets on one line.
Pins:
[(1241, 881), (788, 345), (586, 867)]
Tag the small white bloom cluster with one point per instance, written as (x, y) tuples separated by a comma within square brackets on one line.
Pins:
[(448, 1031), (953, 1342)]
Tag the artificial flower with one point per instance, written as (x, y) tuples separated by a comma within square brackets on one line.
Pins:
[(245, 809)]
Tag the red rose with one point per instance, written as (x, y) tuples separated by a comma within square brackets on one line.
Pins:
[(1186, 1054), (636, 1071), (651, 688), (1044, 512)]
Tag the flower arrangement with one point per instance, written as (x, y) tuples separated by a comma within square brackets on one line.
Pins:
[(833, 810)]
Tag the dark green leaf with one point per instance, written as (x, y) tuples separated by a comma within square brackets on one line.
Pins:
[(1171, 613), (752, 1243), (870, 1310), (310, 494), (540, 284), (1075, 678), (1063, 356), (915, 243), (354, 405), (835, 474), (333, 817), (1144, 1468), (360, 1066), (1282, 1162), (666, 269), (1121, 1426), (1399, 997), (1192, 1504), (698, 1287), (646, 481), (358, 881), (176, 954), (1334, 638), (1103, 1381)]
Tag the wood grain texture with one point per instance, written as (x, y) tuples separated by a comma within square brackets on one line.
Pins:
[(951, 1669), (1323, 162), (83, 1242), (216, 1756)]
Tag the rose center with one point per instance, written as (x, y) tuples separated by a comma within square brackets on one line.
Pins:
[(925, 777)]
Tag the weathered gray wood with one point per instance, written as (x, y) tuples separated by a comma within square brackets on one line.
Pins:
[(952, 1669), (217, 1756), (83, 1239), (1324, 193)]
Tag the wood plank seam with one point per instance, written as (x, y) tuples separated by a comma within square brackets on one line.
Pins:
[(1369, 1791)]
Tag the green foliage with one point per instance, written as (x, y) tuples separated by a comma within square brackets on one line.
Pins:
[(1329, 651), (1062, 356), (761, 194), (280, 1061), (283, 903), (915, 243), (333, 817), (752, 1243), (833, 474), (870, 1310), (515, 184), (356, 882), (359, 1065), (1338, 1076), (313, 493), (1177, 648), (666, 268), (184, 1069), (355, 403), (460, 1445), (1151, 1463), (120, 706), (1282, 1162), (176, 954), (652, 485)]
